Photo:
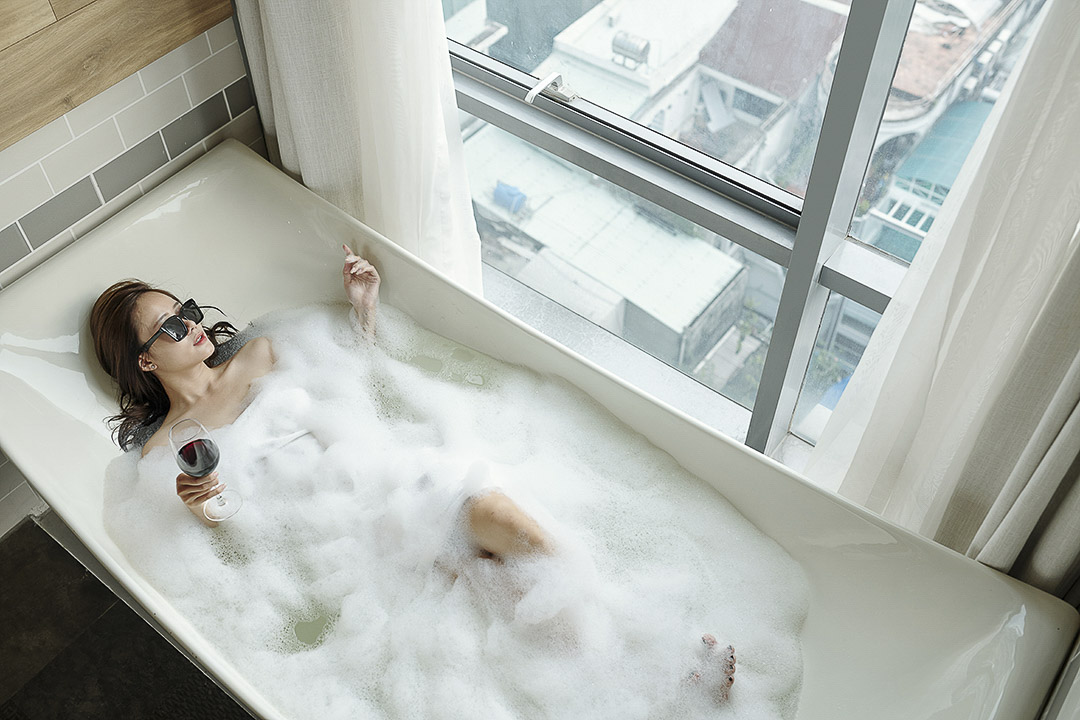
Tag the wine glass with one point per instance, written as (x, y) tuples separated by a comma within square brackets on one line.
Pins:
[(197, 455)]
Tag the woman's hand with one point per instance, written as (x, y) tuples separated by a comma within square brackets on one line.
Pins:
[(362, 288), (361, 280), (196, 491)]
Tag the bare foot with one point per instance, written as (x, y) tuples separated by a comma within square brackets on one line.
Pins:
[(718, 673)]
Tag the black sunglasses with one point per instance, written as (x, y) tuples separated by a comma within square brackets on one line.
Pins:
[(174, 326)]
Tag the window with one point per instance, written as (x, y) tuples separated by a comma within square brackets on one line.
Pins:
[(683, 294), (691, 142), (720, 71), (845, 330), (956, 60)]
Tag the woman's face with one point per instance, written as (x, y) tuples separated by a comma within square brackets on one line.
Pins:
[(168, 355)]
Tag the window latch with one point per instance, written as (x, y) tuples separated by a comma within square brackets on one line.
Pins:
[(552, 86)]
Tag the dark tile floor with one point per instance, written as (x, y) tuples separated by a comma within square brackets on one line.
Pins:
[(69, 649)]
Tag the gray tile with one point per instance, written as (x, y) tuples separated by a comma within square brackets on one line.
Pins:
[(12, 248), (175, 63), (214, 74), (16, 158), (60, 213), (153, 112), (83, 155), (222, 35), (131, 167), (239, 96), (193, 126), (23, 193)]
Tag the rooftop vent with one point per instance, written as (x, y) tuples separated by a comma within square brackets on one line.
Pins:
[(629, 48)]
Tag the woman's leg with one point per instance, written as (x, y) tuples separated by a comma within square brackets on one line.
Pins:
[(503, 529)]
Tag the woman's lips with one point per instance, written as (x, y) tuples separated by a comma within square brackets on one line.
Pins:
[(199, 340)]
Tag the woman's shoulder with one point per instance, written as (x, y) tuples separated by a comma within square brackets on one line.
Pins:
[(256, 354), (157, 439)]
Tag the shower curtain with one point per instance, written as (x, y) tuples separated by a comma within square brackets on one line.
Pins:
[(962, 422), (357, 102)]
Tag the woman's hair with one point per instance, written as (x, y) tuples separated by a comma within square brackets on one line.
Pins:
[(116, 343)]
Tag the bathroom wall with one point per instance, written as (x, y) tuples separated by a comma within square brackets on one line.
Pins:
[(63, 180)]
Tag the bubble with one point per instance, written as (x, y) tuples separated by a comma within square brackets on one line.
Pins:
[(347, 586)]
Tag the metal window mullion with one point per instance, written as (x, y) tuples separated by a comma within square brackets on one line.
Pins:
[(869, 53), (746, 227), (703, 169)]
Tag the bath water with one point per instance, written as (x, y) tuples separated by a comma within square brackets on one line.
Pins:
[(346, 586)]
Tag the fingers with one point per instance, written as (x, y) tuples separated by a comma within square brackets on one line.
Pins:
[(361, 269), (195, 491)]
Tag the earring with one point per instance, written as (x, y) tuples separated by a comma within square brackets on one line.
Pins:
[(153, 366)]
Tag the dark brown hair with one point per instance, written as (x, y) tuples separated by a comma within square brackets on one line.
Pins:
[(116, 343)]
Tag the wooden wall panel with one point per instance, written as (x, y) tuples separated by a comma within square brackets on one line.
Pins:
[(63, 8), (22, 18), (70, 61)]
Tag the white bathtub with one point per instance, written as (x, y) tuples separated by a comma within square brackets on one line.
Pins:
[(898, 627)]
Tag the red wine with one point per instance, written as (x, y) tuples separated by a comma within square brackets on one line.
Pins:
[(198, 457)]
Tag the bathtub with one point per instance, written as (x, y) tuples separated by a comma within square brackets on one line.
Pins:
[(897, 628)]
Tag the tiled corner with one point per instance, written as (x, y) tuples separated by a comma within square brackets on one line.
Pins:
[(62, 181), (17, 502), (245, 128)]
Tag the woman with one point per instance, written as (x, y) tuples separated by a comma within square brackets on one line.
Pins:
[(165, 364), (162, 358)]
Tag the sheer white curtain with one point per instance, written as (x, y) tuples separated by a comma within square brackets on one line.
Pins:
[(961, 422), (357, 102)]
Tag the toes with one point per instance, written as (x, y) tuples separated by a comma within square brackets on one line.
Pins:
[(709, 640)]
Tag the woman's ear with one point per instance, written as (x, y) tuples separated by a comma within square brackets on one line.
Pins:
[(145, 365)]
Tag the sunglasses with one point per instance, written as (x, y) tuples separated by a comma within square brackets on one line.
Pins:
[(174, 326)]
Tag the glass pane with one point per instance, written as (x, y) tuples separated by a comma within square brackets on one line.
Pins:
[(845, 330), (955, 62), (683, 294), (745, 82)]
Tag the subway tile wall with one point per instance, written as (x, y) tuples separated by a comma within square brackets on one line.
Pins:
[(67, 178), (71, 175)]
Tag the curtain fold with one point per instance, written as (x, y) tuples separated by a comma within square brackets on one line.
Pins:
[(960, 422), (357, 102)]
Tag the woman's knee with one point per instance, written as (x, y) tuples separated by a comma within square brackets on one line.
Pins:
[(501, 527)]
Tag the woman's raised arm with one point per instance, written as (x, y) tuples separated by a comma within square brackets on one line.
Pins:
[(362, 288)]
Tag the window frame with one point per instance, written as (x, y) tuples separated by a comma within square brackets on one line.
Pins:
[(807, 236)]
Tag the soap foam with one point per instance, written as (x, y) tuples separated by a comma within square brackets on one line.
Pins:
[(346, 587)]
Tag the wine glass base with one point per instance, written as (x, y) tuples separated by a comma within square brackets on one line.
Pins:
[(222, 506)]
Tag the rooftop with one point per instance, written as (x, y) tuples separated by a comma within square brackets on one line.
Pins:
[(779, 46), (675, 30), (939, 42), (581, 221)]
